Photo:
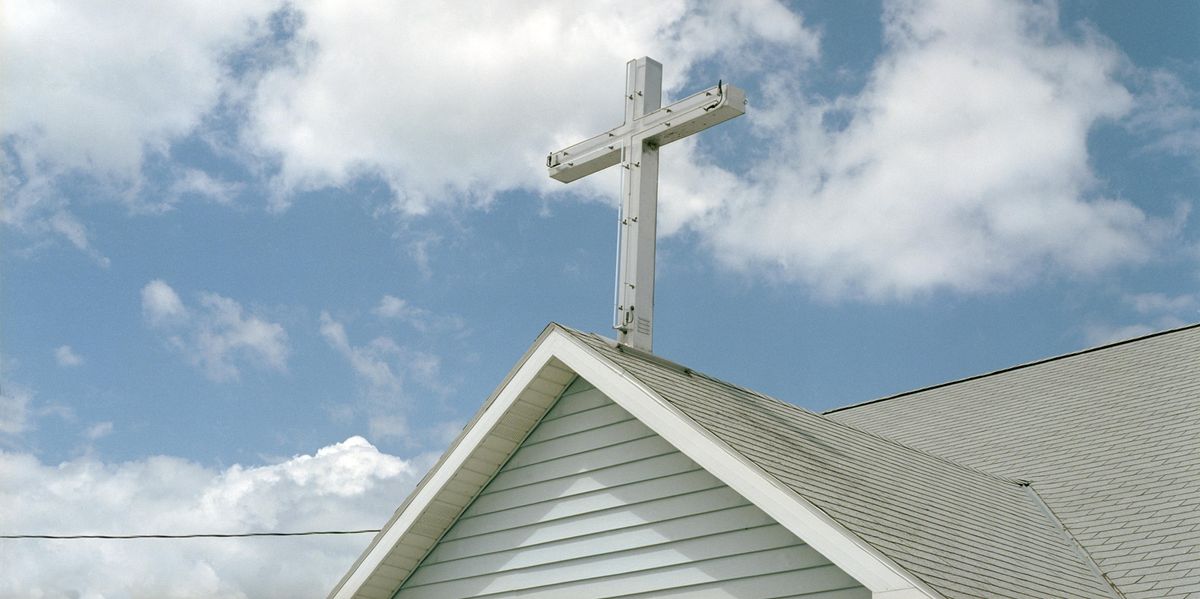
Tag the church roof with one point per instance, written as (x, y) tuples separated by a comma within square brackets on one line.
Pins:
[(1046, 480), (1109, 438), (965, 532)]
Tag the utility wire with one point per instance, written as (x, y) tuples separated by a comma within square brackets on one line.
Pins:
[(210, 535)]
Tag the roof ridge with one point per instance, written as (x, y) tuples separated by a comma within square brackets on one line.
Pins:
[(787, 405), (1020, 366), (1070, 538), (890, 440)]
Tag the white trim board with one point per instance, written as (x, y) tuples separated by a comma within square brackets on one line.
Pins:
[(511, 413)]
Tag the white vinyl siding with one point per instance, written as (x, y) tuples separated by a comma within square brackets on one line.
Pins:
[(594, 504)]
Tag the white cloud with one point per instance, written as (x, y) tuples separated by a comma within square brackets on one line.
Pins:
[(216, 333), (348, 485), (161, 305), (98, 430), (94, 90), (65, 224), (1167, 115), (421, 319), (1103, 334), (447, 104), (198, 183), (469, 98), (98, 87), (383, 368), (393, 307), (1161, 303), (962, 165), (1155, 311), (15, 415), (65, 356)]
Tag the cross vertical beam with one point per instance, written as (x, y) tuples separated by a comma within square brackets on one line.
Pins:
[(634, 145), (634, 315)]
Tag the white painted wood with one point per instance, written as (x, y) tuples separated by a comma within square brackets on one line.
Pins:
[(449, 554), (637, 455), (649, 523)]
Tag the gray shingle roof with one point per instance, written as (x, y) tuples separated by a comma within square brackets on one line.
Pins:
[(1110, 439), (964, 531)]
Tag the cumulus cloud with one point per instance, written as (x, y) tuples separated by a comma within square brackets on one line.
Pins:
[(447, 105), (383, 368), (347, 485), (160, 304), (962, 165), (95, 90), (66, 357), (469, 102), (215, 334)]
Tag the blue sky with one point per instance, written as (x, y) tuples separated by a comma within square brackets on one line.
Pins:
[(289, 248)]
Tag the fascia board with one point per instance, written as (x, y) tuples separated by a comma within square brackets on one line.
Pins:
[(877, 572), (547, 345)]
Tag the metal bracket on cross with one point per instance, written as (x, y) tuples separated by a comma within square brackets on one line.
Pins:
[(634, 145)]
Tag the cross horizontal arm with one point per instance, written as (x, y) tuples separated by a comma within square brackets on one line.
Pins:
[(659, 128)]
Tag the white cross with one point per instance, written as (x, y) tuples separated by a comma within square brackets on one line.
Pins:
[(634, 145)]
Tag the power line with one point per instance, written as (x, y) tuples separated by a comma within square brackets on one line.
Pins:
[(207, 535)]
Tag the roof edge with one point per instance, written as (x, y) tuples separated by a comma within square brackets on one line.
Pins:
[(339, 590), (1021, 366)]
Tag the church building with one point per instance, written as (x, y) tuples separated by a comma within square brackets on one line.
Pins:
[(599, 470)]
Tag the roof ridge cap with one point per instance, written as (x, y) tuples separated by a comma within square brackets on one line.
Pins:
[(904, 446), (1020, 366), (1070, 538), (659, 360)]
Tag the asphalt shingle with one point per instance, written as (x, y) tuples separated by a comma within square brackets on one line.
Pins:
[(962, 530), (1110, 438)]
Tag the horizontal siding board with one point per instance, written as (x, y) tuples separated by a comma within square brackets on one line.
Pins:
[(645, 449), (577, 422), (581, 400), (795, 584), (538, 509), (583, 481), (468, 558), (629, 515), (594, 504), (601, 436), (654, 557), (661, 579), (610, 540)]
